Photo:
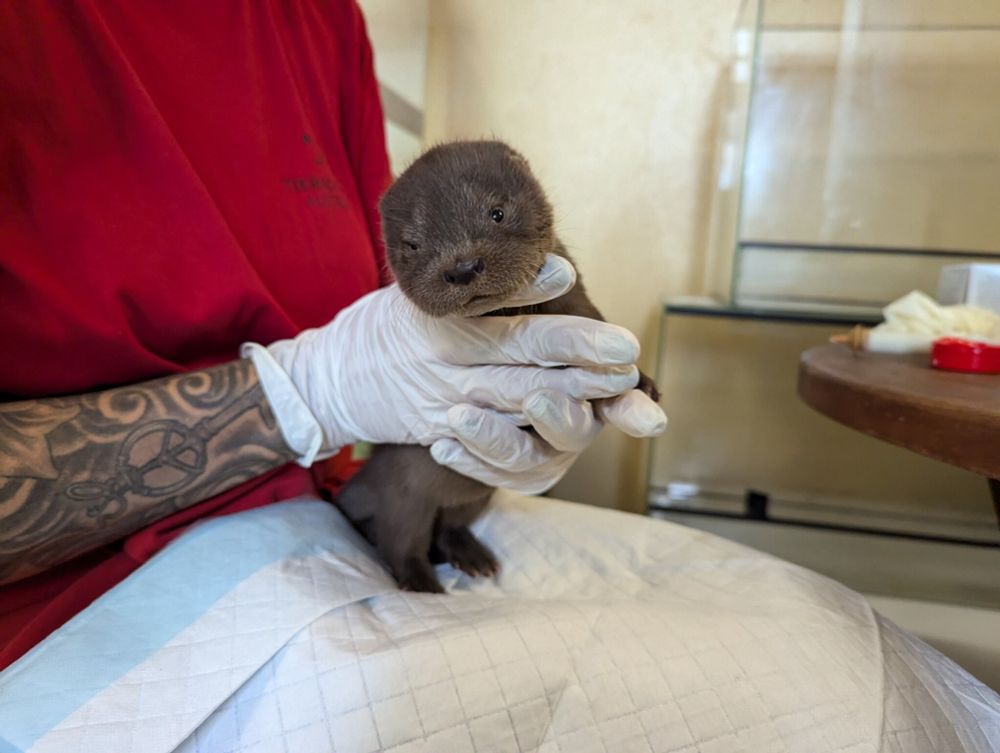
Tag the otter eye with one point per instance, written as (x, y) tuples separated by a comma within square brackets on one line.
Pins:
[(412, 246), (496, 214)]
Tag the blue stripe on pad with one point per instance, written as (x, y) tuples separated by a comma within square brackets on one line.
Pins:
[(139, 616)]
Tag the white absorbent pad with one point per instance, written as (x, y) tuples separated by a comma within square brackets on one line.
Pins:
[(277, 630)]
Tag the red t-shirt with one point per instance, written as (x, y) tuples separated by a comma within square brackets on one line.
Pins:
[(179, 177)]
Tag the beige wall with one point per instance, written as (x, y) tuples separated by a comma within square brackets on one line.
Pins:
[(399, 31), (614, 103)]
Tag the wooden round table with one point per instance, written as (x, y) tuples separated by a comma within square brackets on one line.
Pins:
[(944, 415)]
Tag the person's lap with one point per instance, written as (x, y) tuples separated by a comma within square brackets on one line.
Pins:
[(277, 629)]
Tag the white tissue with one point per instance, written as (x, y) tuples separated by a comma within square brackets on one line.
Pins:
[(918, 313)]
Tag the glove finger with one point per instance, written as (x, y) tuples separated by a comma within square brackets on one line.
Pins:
[(634, 413), (453, 454), (505, 388), (493, 438), (556, 277), (566, 424), (537, 340)]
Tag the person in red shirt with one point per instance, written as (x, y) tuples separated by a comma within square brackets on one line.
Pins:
[(182, 178)]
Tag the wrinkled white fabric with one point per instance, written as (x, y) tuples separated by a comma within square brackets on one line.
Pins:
[(278, 630), (384, 372)]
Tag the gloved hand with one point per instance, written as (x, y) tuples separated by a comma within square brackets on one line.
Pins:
[(490, 447), (384, 372)]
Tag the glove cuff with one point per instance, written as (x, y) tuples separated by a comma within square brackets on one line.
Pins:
[(299, 427)]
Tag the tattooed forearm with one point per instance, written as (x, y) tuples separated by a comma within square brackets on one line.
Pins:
[(79, 472)]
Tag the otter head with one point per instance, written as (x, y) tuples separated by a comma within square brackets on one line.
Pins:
[(465, 227)]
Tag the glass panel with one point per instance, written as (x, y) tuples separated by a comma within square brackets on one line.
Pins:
[(723, 232), (737, 423), (863, 280), (871, 126), (876, 138)]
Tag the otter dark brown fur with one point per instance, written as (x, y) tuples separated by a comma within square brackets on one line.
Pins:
[(465, 227)]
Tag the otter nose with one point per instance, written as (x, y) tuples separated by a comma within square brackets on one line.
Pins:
[(464, 272)]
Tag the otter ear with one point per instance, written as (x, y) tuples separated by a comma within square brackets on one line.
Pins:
[(517, 156), (392, 206), (385, 199)]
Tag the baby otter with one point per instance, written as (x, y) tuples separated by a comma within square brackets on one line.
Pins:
[(465, 226)]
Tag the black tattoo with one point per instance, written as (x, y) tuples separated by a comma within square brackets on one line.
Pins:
[(79, 472)]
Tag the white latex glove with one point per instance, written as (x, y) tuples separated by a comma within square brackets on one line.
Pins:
[(490, 446), (384, 372)]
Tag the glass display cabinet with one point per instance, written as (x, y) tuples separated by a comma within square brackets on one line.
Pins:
[(859, 153)]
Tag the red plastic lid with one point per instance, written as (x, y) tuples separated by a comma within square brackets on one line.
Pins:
[(955, 354)]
